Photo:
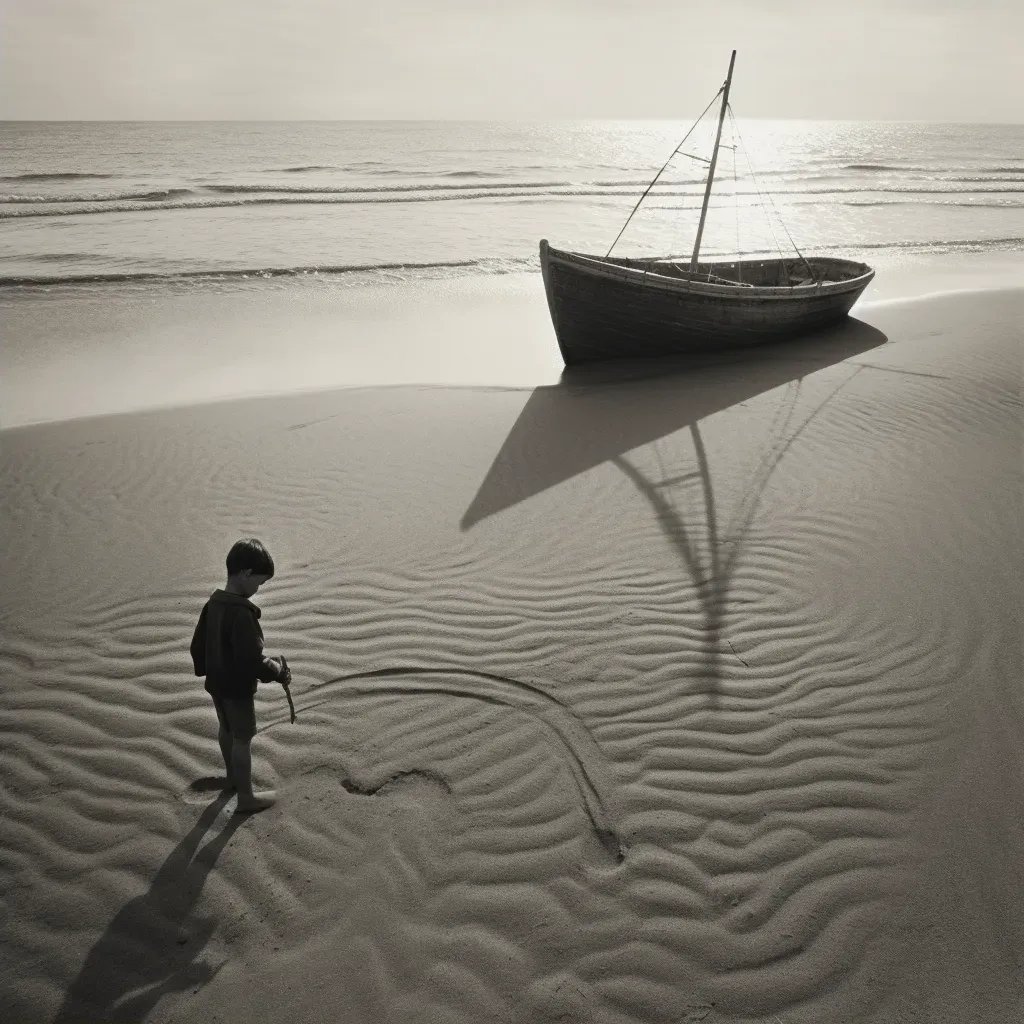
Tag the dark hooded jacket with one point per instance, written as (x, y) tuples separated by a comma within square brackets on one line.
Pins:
[(227, 647)]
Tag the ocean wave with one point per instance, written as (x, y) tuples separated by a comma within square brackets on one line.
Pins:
[(50, 257), (640, 183), (494, 265), (1000, 169), (261, 189), (901, 168), (427, 172), (471, 174), (54, 176), (328, 199), (996, 204), (231, 195), (491, 265), (939, 245), (884, 167), (931, 246), (982, 179), (377, 189), (129, 195), (254, 192)]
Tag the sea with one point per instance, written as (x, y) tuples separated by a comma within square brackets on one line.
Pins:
[(146, 264), (171, 202)]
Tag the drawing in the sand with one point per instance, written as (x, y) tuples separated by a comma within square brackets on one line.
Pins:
[(573, 427), (583, 756)]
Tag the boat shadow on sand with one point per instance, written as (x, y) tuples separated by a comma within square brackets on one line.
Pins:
[(153, 945), (601, 412)]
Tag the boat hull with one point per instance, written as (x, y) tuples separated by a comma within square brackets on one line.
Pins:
[(625, 310)]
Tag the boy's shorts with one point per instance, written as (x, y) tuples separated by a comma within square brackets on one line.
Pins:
[(237, 715)]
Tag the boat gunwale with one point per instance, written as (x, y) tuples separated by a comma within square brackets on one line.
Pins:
[(596, 267)]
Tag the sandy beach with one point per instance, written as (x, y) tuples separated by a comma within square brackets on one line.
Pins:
[(672, 694)]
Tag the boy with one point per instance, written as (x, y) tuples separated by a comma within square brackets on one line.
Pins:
[(228, 649)]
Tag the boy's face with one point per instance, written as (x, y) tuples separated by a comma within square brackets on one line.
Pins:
[(249, 582)]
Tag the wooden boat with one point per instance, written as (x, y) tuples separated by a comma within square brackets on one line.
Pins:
[(605, 307)]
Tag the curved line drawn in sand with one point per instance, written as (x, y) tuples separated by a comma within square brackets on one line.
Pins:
[(146, 952), (584, 756)]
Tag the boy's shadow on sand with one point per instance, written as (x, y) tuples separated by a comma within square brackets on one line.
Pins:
[(598, 413), (145, 954)]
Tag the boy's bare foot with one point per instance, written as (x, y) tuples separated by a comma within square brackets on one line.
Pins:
[(255, 802)]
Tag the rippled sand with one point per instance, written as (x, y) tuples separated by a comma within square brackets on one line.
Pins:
[(694, 697)]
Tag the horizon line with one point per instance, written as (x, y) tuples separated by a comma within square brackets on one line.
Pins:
[(483, 120)]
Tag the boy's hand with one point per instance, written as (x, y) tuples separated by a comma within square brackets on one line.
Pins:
[(286, 678), (284, 673)]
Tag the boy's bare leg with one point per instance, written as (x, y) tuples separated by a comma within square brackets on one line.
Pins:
[(224, 738), (241, 764)]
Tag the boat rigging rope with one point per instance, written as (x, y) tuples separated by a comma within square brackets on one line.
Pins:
[(753, 176), (736, 202), (662, 171)]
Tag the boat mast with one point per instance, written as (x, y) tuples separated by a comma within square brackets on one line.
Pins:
[(714, 160)]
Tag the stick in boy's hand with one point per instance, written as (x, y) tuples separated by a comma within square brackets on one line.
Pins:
[(286, 678)]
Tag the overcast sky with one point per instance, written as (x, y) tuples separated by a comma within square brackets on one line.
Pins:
[(935, 60)]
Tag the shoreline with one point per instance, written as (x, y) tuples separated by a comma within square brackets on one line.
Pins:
[(88, 353)]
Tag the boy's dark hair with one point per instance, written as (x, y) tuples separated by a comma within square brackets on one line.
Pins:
[(252, 555)]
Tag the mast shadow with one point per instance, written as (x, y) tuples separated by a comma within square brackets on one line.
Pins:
[(599, 414), (146, 952)]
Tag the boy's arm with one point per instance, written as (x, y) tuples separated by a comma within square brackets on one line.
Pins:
[(198, 648), (247, 648)]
